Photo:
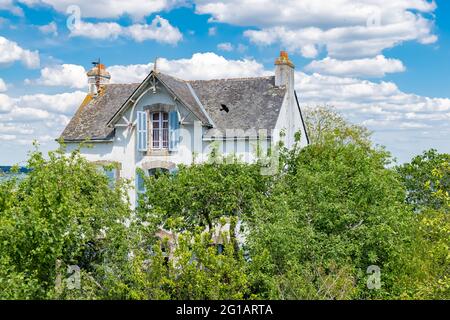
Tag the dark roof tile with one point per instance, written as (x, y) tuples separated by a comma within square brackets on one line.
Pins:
[(252, 103), (89, 122)]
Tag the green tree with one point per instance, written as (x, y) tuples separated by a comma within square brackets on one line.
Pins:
[(56, 216), (334, 212), (419, 181), (435, 233), (324, 123)]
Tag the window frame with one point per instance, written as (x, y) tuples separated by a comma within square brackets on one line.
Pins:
[(163, 119)]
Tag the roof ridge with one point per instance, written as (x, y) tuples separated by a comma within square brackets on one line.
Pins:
[(169, 75), (121, 84), (218, 79), (232, 79)]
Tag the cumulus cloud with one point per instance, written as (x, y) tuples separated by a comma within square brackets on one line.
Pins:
[(225, 46), (200, 66), (6, 103), (63, 103), (8, 5), (40, 117), (299, 14), (65, 75), (50, 28), (21, 129), (345, 28), (211, 66), (2, 85), (159, 30), (346, 42), (369, 67), (371, 102), (10, 52), (137, 9), (132, 73), (212, 31)]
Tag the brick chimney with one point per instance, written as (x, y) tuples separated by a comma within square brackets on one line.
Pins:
[(284, 71), (97, 77)]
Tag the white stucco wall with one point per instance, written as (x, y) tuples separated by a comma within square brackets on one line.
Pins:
[(290, 122)]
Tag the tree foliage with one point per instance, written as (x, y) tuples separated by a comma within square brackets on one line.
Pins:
[(52, 219), (331, 212), (420, 183)]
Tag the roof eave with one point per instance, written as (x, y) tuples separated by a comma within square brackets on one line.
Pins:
[(83, 140)]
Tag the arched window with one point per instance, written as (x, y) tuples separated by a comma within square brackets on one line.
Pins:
[(157, 172), (160, 130)]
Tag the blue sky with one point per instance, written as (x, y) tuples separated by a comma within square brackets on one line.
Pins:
[(383, 65)]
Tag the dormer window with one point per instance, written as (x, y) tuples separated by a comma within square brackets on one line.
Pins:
[(160, 130)]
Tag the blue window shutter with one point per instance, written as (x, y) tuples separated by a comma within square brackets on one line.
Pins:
[(142, 132), (140, 186), (111, 174), (174, 130)]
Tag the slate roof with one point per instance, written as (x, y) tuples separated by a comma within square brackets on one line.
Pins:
[(89, 122), (181, 90), (253, 103)]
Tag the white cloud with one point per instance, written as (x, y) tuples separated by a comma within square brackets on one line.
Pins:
[(40, 117), (21, 129), (137, 9), (346, 42), (368, 67), (36, 108), (7, 137), (159, 30), (200, 66), (2, 85), (10, 52), (345, 28), (100, 30), (211, 66), (366, 101), (241, 48), (212, 31), (129, 73), (8, 5), (6, 103), (50, 28), (63, 103), (225, 46), (299, 14), (67, 75)]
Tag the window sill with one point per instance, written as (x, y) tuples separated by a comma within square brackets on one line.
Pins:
[(158, 152)]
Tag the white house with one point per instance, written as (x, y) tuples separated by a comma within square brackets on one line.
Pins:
[(164, 121)]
